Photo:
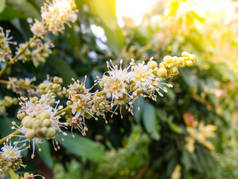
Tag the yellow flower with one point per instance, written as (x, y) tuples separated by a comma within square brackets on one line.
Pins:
[(201, 133), (176, 173)]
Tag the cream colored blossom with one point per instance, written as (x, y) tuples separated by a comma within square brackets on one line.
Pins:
[(201, 133), (10, 158), (176, 173), (5, 51), (114, 83), (39, 119), (56, 13), (38, 29)]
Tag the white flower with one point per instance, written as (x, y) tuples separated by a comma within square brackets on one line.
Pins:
[(38, 29), (114, 84), (81, 99), (57, 13), (5, 51), (142, 75), (10, 152)]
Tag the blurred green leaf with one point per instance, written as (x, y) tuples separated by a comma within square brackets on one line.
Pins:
[(10, 13), (25, 7), (5, 126), (150, 121), (2, 5), (81, 146), (45, 154), (189, 78), (63, 68), (175, 128), (186, 159)]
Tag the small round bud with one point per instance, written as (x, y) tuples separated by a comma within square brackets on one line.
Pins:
[(27, 122), (50, 133), (167, 59), (186, 54), (33, 45), (189, 63), (162, 72), (36, 124), (46, 123), (175, 71), (34, 99), (44, 115), (69, 103), (57, 80), (43, 130), (152, 64), (55, 86), (30, 133)]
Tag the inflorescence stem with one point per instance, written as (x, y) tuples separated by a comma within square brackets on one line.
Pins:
[(13, 174), (13, 60), (25, 86), (12, 135)]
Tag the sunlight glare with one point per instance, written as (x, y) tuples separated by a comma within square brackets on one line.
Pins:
[(208, 8), (133, 9)]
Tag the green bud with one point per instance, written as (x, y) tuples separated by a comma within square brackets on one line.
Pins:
[(46, 123), (30, 133), (27, 121), (43, 130), (44, 116), (50, 133), (36, 124)]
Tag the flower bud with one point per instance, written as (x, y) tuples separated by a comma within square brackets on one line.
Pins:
[(30, 133), (46, 123), (162, 72), (152, 64), (50, 133), (44, 115)]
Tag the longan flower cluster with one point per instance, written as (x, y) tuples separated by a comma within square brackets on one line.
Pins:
[(10, 158), (30, 176), (125, 85), (5, 51), (56, 14), (52, 88), (38, 118), (37, 51), (40, 114), (118, 87), (38, 29), (7, 101), (200, 132), (85, 105), (168, 68), (20, 86)]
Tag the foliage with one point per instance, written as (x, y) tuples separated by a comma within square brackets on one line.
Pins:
[(153, 142)]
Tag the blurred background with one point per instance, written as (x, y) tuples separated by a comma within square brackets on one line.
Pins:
[(152, 143)]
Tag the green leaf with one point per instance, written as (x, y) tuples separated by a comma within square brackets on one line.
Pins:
[(138, 108), (45, 154), (2, 5), (25, 7), (63, 68), (186, 159), (5, 127), (149, 120), (175, 128), (82, 146), (10, 13), (189, 78)]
